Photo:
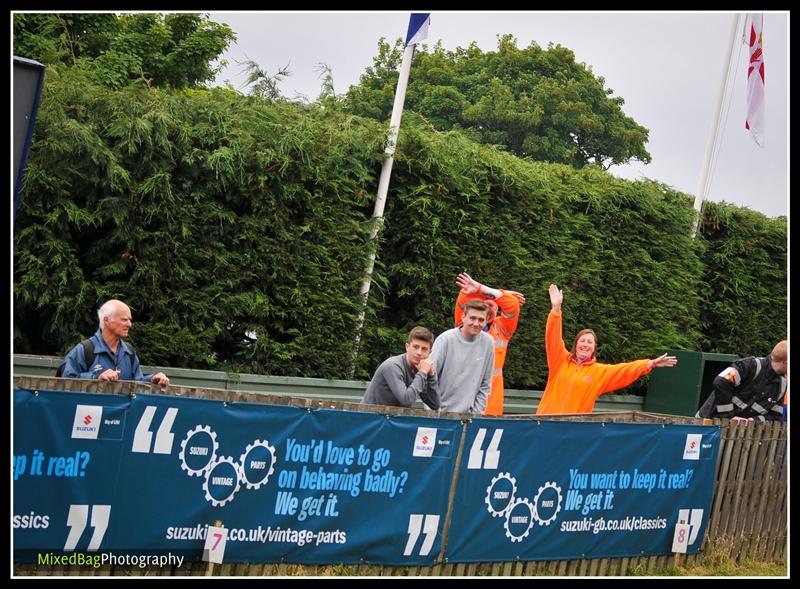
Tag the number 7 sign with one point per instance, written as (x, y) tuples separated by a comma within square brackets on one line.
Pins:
[(214, 549)]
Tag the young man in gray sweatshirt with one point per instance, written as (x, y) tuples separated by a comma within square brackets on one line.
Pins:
[(463, 358), (399, 380)]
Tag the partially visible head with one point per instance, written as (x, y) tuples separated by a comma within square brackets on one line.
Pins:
[(780, 357), (585, 345), (115, 318), (474, 318), (492, 314), (418, 346)]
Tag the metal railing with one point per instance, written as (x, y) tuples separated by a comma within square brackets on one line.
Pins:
[(517, 401)]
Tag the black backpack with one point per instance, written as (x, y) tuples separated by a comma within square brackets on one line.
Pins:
[(88, 354)]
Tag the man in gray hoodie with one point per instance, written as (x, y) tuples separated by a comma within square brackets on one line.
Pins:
[(463, 358)]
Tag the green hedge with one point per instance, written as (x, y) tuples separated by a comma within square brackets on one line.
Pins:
[(218, 217)]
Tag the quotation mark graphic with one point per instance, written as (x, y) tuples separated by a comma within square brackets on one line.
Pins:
[(77, 518), (143, 437), (693, 517), (491, 457), (427, 524)]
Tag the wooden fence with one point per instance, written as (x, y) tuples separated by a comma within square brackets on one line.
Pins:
[(748, 510)]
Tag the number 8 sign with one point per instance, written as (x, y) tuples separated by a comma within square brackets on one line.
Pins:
[(680, 540)]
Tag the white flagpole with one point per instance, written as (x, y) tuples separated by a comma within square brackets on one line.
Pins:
[(383, 189), (702, 189)]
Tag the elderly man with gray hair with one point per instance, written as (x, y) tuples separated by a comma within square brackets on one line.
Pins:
[(111, 357)]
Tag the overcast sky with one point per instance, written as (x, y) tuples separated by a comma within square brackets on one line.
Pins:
[(668, 67)]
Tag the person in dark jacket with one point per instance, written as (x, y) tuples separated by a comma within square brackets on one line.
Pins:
[(114, 359), (750, 389)]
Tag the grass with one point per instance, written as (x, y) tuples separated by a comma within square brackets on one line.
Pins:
[(748, 568), (717, 562)]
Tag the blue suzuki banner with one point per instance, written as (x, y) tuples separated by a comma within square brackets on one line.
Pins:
[(552, 490), (149, 473)]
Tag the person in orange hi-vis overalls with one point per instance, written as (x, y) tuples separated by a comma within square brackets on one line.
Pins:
[(501, 325)]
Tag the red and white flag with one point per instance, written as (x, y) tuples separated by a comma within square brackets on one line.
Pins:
[(753, 36)]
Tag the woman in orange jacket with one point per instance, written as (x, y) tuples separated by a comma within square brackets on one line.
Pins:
[(575, 378)]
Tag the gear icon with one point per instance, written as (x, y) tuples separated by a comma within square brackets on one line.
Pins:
[(270, 460), (536, 509), (519, 518), (214, 466), (503, 476), (198, 472)]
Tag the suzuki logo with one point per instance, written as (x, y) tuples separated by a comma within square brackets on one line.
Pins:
[(87, 420)]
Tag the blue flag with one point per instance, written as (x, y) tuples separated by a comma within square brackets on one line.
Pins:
[(418, 27)]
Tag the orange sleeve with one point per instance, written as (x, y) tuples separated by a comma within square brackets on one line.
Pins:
[(507, 314), (618, 376), (461, 300), (557, 352)]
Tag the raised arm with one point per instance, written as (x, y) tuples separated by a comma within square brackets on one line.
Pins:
[(508, 301), (508, 305), (470, 290), (469, 285), (556, 298), (553, 339)]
